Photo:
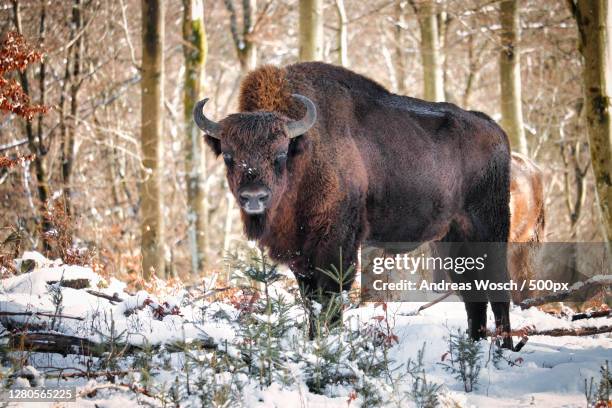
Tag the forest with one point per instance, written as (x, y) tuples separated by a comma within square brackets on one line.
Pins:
[(125, 268)]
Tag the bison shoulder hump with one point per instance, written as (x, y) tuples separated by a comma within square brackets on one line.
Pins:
[(264, 89)]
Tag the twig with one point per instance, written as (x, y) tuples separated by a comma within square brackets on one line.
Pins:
[(212, 292), (13, 145), (128, 39), (428, 305), (114, 298)]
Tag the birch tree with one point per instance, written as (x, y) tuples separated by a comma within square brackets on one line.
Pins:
[(510, 76), (151, 87), (342, 34), (594, 21), (311, 30), (194, 52), (433, 87), (398, 37)]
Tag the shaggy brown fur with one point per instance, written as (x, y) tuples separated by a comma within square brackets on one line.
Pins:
[(375, 166), (527, 221)]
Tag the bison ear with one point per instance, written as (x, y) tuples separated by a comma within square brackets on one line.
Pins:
[(214, 144), (298, 145)]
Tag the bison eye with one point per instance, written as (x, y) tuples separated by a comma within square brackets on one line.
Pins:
[(228, 159), (279, 162)]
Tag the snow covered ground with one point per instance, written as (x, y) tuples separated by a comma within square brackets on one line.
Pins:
[(549, 371)]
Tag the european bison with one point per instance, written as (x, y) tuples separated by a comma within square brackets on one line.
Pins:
[(321, 159), (527, 221)]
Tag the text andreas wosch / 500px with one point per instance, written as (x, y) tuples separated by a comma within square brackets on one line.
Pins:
[(478, 284)]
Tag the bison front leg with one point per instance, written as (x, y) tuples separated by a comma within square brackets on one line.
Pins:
[(322, 293), (477, 319)]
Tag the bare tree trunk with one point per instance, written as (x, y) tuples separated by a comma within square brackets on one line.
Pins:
[(510, 76), (152, 228), (444, 22), (73, 76), (570, 156), (195, 51), (35, 145), (469, 83), (433, 88), (311, 30), (342, 34), (243, 41), (400, 57), (594, 21)]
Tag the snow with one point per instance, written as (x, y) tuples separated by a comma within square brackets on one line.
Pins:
[(551, 374)]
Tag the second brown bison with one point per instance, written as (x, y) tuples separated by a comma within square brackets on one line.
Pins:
[(527, 222)]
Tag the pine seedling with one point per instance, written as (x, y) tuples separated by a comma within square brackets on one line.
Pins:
[(263, 332), (601, 396), (118, 345), (341, 278), (142, 361), (57, 298), (423, 393), (464, 360), (605, 383)]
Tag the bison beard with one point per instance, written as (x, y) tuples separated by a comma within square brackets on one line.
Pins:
[(371, 166), (254, 225)]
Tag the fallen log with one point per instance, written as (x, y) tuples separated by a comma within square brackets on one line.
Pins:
[(558, 332), (88, 374), (576, 290), (45, 342), (91, 391), (593, 314), (56, 343), (79, 283), (576, 331), (43, 314)]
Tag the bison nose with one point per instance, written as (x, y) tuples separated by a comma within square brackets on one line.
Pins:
[(254, 200)]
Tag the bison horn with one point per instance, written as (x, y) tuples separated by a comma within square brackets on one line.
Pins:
[(299, 127), (208, 126)]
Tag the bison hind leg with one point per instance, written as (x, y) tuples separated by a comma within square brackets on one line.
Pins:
[(488, 207), (453, 246), (486, 219)]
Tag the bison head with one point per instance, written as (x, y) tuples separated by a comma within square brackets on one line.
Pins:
[(257, 148)]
